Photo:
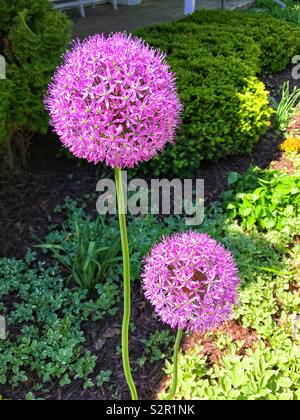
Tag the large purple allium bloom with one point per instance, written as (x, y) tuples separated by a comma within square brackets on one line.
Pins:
[(192, 281), (114, 100)]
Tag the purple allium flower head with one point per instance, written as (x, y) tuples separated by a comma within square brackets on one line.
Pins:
[(114, 100), (191, 280)]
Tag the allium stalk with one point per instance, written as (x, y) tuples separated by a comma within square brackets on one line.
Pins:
[(126, 277), (173, 387)]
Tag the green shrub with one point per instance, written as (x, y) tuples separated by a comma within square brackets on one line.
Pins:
[(32, 39), (5, 94), (217, 57), (278, 40)]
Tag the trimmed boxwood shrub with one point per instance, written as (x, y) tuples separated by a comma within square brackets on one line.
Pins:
[(278, 40), (218, 57), (32, 39)]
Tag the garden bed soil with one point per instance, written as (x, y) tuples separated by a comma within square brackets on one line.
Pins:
[(28, 201)]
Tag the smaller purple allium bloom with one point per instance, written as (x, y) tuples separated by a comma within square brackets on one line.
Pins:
[(114, 100), (192, 281)]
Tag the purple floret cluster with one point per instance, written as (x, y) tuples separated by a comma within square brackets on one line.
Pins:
[(192, 281), (114, 100)]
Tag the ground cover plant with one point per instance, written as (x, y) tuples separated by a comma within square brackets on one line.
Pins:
[(47, 341), (263, 200), (218, 57)]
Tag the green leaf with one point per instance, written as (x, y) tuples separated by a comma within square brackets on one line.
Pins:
[(284, 382), (233, 178)]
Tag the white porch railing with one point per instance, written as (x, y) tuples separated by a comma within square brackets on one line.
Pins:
[(63, 5)]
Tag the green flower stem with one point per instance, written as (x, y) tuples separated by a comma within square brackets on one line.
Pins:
[(175, 365), (126, 270)]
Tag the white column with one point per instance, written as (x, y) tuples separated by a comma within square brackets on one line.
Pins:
[(81, 8), (189, 6)]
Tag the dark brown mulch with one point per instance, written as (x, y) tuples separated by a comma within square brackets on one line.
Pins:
[(275, 83), (109, 332), (28, 201)]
